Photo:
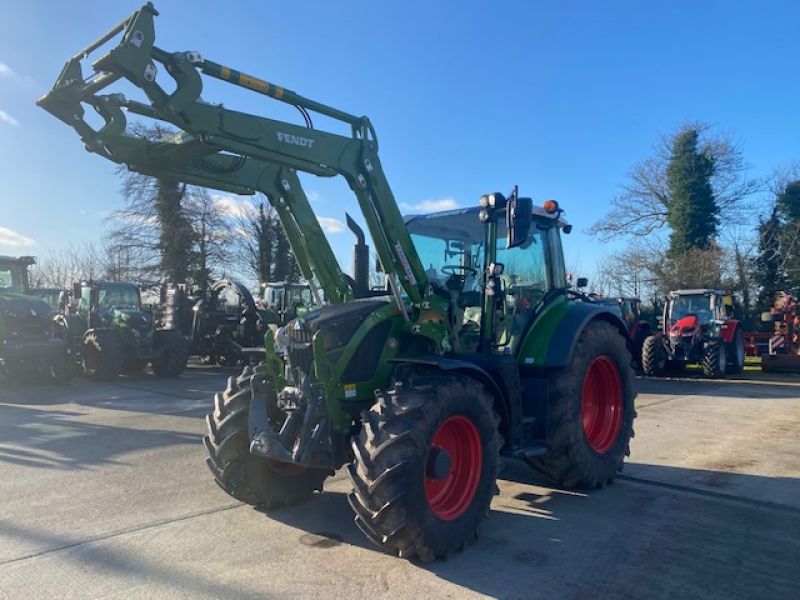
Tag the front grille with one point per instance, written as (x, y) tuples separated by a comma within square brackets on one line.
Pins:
[(299, 351)]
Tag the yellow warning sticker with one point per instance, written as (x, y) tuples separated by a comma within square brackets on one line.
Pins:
[(350, 390)]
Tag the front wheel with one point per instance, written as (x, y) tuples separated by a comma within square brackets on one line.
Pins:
[(246, 477), (425, 466), (715, 359), (654, 356), (101, 355), (590, 412)]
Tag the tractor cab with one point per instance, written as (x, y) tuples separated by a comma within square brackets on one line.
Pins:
[(691, 312), (109, 304), (284, 301), (494, 287), (14, 274)]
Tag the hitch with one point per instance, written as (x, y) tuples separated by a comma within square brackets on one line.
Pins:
[(306, 437)]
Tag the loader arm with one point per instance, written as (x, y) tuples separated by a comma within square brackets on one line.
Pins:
[(235, 151)]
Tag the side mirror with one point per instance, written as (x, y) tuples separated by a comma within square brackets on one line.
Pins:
[(582, 282), (518, 220)]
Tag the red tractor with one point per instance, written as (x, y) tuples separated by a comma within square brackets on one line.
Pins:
[(697, 327)]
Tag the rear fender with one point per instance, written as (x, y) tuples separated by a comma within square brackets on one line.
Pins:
[(728, 330), (551, 341)]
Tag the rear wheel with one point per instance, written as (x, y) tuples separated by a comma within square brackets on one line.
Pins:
[(590, 412), (101, 355), (736, 353), (654, 356), (246, 477), (425, 466), (715, 359)]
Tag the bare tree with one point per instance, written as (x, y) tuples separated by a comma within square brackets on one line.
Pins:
[(641, 209), (213, 233)]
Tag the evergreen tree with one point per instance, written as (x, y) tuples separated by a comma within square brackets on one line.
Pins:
[(768, 273), (788, 209), (692, 211), (177, 236)]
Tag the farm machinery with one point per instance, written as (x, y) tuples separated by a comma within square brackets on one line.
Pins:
[(223, 325), (783, 349), (29, 347), (630, 312), (697, 327), (475, 350), (110, 333)]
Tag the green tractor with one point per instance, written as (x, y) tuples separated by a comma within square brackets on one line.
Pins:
[(285, 300), (474, 352), (29, 347), (111, 333)]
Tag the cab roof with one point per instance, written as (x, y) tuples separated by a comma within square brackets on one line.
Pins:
[(696, 292), (462, 223)]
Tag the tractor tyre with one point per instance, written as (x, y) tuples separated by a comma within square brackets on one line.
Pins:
[(654, 356), (248, 478), (174, 353), (715, 359), (426, 465), (101, 355), (590, 412), (735, 352)]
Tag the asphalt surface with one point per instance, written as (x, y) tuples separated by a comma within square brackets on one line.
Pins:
[(104, 493)]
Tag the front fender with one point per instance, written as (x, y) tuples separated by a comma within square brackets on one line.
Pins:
[(550, 342)]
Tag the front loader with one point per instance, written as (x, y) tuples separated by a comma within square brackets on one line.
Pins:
[(474, 352)]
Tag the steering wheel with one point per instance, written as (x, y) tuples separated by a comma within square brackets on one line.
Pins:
[(456, 269)]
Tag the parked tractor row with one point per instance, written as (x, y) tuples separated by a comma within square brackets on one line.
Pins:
[(101, 329)]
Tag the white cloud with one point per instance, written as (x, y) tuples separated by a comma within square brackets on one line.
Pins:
[(428, 206), (9, 237), (313, 196), (233, 208), (8, 119), (6, 71), (331, 225)]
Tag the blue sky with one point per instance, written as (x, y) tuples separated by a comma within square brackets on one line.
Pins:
[(561, 98)]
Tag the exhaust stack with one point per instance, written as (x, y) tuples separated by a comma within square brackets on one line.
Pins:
[(360, 259)]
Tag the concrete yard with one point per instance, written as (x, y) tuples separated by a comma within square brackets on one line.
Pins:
[(105, 493)]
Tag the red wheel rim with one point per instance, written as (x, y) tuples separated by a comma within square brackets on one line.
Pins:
[(601, 404), (450, 496)]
